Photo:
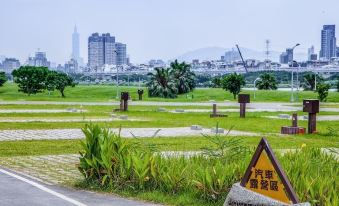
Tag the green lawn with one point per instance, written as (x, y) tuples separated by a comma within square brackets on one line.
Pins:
[(106, 93), (53, 147)]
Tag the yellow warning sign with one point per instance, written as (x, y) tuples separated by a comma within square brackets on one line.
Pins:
[(265, 180), (264, 175)]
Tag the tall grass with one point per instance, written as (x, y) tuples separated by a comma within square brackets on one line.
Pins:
[(110, 161)]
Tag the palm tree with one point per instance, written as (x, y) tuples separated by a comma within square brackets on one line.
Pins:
[(267, 82), (309, 81), (184, 77), (161, 84)]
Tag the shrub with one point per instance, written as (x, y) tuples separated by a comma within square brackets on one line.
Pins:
[(322, 90), (110, 161), (3, 78), (267, 82)]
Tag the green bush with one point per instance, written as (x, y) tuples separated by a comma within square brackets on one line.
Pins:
[(108, 161), (322, 90)]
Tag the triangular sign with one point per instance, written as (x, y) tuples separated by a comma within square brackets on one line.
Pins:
[(265, 176)]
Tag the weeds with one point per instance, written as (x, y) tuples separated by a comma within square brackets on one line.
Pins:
[(108, 161)]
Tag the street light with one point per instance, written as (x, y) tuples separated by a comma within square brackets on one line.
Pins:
[(254, 86), (117, 97), (292, 97)]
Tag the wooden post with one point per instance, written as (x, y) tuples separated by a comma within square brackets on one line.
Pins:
[(121, 105), (214, 109), (140, 92), (312, 123), (295, 120), (242, 110)]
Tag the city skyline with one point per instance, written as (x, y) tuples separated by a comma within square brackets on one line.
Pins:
[(178, 27)]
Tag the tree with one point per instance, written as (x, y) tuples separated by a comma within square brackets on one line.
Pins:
[(30, 80), (58, 81), (308, 82), (216, 82), (3, 78), (183, 76), (161, 84), (337, 83), (322, 90), (267, 82), (233, 83)]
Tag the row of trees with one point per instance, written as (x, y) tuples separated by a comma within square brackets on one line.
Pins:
[(3, 78), (169, 82), (32, 80)]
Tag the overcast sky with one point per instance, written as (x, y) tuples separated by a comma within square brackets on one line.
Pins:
[(161, 28)]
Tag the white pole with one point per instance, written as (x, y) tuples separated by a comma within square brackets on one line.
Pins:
[(292, 97)]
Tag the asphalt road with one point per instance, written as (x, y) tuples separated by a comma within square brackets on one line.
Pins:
[(18, 190)]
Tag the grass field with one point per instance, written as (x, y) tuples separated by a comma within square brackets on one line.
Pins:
[(106, 93), (148, 116)]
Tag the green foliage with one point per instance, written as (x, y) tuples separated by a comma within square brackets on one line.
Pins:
[(216, 82), (161, 84), (233, 83), (59, 81), (3, 78), (110, 161), (267, 82), (308, 81), (31, 80), (169, 82), (184, 77), (322, 90)]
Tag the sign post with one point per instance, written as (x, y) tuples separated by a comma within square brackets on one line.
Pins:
[(264, 183), (243, 99)]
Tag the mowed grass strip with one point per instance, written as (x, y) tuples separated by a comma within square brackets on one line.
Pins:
[(54, 147), (106, 93)]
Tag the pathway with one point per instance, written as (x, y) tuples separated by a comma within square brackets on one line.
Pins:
[(9, 135), (259, 106)]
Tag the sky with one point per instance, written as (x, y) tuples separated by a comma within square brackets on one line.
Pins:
[(161, 29)]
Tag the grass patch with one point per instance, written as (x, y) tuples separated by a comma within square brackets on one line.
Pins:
[(105, 93), (54, 147)]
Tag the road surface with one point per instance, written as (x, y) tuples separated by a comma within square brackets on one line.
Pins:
[(18, 190)]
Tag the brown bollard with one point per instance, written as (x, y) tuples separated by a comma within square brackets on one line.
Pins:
[(214, 109), (124, 101), (242, 110), (294, 120), (243, 99), (140, 92), (312, 107), (312, 123)]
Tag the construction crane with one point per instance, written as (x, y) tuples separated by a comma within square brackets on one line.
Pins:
[(242, 59)]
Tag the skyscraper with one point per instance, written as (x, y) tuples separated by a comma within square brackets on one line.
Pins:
[(76, 46), (328, 42), (9, 64), (101, 50), (121, 53)]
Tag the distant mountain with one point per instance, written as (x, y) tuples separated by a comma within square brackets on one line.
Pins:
[(215, 53)]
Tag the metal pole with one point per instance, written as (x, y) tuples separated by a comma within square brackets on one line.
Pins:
[(117, 83), (315, 81), (292, 97)]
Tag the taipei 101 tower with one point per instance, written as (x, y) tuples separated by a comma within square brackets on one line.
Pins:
[(76, 46)]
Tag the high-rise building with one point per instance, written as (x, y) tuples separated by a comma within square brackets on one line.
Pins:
[(71, 66), (109, 49), (39, 60), (310, 52), (337, 51), (76, 46), (121, 53), (328, 42), (231, 56), (101, 50), (9, 64), (286, 57)]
